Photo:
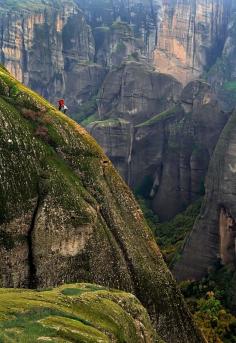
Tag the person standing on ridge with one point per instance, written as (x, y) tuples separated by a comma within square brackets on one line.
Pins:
[(61, 104)]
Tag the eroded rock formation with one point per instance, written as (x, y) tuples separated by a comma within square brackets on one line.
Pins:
[(52, 49), (191, 36), (213, 237), (67, 216), (166, 156)]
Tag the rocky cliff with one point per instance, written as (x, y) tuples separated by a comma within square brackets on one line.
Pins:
[(61, 51), (66, 215), (191, 36), (164, 158), (99, 57), (50, 47), (212, 240)]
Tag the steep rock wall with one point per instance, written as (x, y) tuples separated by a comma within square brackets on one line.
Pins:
[(191, 36), (52, 50), (212, 240), (164, 158)]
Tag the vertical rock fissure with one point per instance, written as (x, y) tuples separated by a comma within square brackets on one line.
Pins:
[(129, 161), (32, 279), (124, 252), (1, 43)]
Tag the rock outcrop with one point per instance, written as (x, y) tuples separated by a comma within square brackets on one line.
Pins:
[(212, 240), (67, 216), (75, 312), (165, 158)]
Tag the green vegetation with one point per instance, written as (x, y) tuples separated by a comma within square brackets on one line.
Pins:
[(210, 301), (30, 4), (52, 166), (121, 26), (110, 122), (86, 110), (171, 235), (72, 313), (89, 120), (151, 218), (120, 47), (230, 86), (164, 115)]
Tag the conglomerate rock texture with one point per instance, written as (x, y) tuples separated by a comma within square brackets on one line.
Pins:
[(67, 216)]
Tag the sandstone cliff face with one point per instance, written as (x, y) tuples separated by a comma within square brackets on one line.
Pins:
[(135, 92), (67, 216), (213, 237), (191, 36), (141, 15), (165, 158), (223, 73), (51, 49)]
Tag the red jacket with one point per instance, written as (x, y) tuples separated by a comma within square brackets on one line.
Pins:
[(61, 102)]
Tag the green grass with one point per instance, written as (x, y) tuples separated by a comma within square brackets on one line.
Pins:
[(89, 120), (110, 122), (163, 115), (71, 313), (230, 86)]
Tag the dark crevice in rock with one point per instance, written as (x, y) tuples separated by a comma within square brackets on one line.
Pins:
[(32, 282), (123, 250)]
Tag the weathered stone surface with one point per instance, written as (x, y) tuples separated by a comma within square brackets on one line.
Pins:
[(135, 92), (191, 36), (52, 50), (67, 216), (166, 156), (213, 237)]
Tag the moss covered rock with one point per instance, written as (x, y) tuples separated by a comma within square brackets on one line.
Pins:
[(73, 313), (67, 216)]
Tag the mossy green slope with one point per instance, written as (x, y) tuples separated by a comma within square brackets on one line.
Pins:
[(67, 216), (73, 313), (30, 4)]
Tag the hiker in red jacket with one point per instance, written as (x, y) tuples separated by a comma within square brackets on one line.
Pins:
[(61, 104)]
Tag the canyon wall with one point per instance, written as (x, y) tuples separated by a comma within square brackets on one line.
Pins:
[(164, 158), (191, 36), (52, 50), (212, 240)]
